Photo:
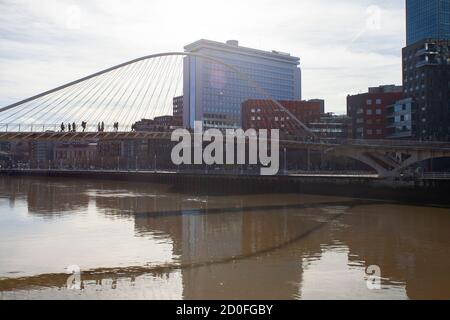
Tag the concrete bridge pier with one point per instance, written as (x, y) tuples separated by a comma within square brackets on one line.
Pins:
[(390, 164)]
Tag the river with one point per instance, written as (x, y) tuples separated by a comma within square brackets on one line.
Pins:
[(132, 240)]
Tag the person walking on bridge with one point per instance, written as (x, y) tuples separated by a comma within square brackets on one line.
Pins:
[(74, 127), (83, 125), (63, 127), (70, 128)]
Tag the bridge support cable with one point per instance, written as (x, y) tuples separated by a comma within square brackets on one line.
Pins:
[(127, 107), (166, 107), (160, 84), (113, 109), (66, 112), (65, 107), (124, 94), (147, 114), (171, 94), (130, 104), (68, 116), (102, 107), (151, 80), (167, 79), (93, 107), (141, 85), (84, 106), (23, 112)]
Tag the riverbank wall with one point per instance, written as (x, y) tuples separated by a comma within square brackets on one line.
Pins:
[(364, 187)]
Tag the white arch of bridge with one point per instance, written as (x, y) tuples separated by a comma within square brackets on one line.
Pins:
[(241, 74)]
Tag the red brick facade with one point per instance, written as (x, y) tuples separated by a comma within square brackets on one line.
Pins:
[(265, 114), (369, 111)]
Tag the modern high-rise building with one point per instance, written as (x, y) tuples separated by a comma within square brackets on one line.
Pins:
[(426, 72), (426, 80), (213, 92), (427, 19)]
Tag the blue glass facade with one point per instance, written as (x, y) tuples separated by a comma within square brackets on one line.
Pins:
[(427, 19), (213, 93)]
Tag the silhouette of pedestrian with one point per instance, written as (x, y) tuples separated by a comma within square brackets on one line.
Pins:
[(70, 128), (99, 127), (103, 127), (74, 127), (83, 125), (63, 127)]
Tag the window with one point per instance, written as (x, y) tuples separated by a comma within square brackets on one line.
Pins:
[(379, 131), (369, 112), (378, 101), (379, 111), (369, 132), (369, 102)]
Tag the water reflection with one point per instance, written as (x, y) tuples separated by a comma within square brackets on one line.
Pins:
[(136, 240)]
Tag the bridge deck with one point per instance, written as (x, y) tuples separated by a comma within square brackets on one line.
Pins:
[(379, 145)]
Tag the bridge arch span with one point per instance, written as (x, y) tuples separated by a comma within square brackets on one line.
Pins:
[(127, 64)]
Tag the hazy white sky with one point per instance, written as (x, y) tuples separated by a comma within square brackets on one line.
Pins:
[(345, 45)]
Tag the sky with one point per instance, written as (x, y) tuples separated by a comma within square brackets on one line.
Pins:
[(345, 46)]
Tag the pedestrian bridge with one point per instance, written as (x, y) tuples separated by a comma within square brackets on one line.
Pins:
[(387, 157), (109, 103)]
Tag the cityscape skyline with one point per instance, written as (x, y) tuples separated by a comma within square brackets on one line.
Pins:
[(200, 150), (51, 48)]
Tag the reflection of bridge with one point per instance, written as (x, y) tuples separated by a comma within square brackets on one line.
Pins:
[(144, 88)]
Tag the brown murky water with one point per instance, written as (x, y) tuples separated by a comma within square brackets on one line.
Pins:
[(141, 241)]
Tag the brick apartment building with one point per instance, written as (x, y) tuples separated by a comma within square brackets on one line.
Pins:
[(369, 111), (265, 114), (332, 127), (178, 111)]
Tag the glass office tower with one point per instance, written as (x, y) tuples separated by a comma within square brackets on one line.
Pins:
[(214, 93), (427, 19)]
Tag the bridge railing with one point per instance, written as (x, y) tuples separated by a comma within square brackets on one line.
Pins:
[(396, 143), (436, 175), (93, 128), (41, 128)]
